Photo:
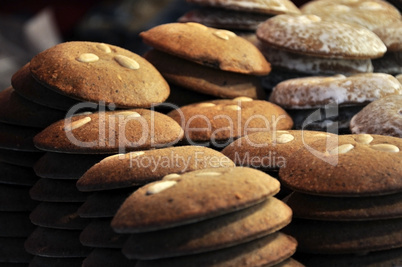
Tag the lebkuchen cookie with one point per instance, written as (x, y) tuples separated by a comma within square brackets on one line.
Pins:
[(383, 116), (207, 46), (313, 36), (109, 132), (98, 72), (333, 167), (220, 121), (367, 13), (300, 97), (390, 34)]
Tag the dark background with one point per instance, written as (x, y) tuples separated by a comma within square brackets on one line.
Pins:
[(113, 22)]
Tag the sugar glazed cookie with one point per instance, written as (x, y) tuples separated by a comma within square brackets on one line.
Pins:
[(110, 132), (99, 72), (314, 65), (383, 116), (391, 62), (311, 92), (345, 96), (220, 121), (367, 13), (310, 35)]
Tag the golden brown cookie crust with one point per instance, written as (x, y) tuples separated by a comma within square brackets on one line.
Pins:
[(214, 82), (224, 231), (193, 197), (211, 47), (98, 72), (347, 165), (110, 132), (142, 167), (227, 119)]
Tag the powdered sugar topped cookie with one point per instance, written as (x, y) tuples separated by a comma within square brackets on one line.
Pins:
[(368, 13), (316, 91), (311, 35), (383, 116)]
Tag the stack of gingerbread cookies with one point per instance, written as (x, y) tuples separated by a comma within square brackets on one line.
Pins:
[(20, 121), (206, 61), (113, 179), (61, 91), (346, 213), (235, 15), (219, 216)]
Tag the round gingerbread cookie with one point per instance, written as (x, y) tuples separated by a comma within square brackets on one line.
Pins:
[(383, 116), (370, 14), (222, 120), (16, 110), (332, 237), (195, 77), (26, 86), (192, 197), (346, 165), (65, 166), (210, 235), (52, 190), (99, 234), (104, 204), (317, 91), (58, 216), (270, 150), (18, 138), (20, 158), (311, 35), (210, 47), (15, 198), (313, 65), (110, 132), (56, 243), (389, 257), (267, 251), (345, 208), (17, 175), (142, 167), (100, 73)]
